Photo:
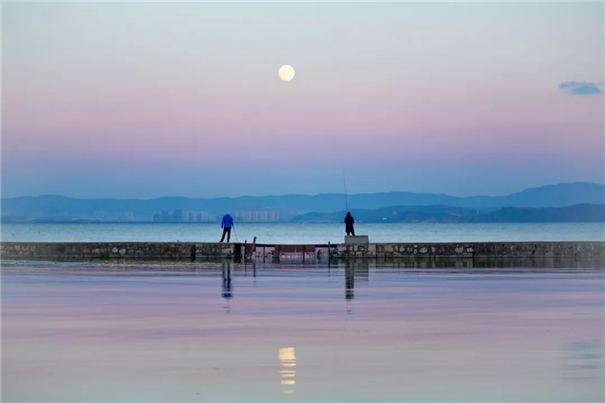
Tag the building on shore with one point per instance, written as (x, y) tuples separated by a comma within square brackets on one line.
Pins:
[(257, 216), (179, 215), (188, 216)]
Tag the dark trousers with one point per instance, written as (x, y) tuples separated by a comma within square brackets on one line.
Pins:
[(226, 230), (350, 230)]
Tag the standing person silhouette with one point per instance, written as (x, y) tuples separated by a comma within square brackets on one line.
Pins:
[(349, 221), (226, 225)]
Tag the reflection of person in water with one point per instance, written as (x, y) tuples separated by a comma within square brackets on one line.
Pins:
[(227, 280), (349, 221)]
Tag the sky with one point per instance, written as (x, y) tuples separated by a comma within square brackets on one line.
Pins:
[(143, 100)]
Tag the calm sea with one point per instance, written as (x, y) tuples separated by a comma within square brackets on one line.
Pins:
[(355, 332), (305, 233)]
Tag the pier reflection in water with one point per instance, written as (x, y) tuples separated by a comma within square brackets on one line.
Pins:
[(160, 332), (355, 270)]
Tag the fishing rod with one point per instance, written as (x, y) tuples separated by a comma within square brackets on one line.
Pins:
[(344, 182)]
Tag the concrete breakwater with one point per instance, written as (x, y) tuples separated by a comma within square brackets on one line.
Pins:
[(237, 251)]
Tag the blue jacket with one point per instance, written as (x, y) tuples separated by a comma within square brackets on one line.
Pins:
[(227, 221)]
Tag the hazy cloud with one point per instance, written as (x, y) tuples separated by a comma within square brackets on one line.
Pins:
[(581, 87)]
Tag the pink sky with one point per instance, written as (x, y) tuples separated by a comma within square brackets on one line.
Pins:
[(192, 90)]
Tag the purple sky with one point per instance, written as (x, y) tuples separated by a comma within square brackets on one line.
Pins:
[(154, 99)]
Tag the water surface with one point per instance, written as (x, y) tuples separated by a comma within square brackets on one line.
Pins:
[(305, 233), (354, 332)]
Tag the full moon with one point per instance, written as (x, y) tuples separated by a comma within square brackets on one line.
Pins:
[(286, 73)]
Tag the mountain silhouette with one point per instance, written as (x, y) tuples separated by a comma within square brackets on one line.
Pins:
[(561, 195)]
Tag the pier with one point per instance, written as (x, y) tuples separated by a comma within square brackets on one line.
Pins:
[(56, 251)]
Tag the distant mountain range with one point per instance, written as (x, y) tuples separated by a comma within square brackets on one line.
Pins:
[(447, 214), (30, 208)]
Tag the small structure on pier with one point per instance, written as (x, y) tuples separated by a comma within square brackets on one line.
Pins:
[(356, 240)]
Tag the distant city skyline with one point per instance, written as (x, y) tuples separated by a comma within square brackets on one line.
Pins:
[(180, 215), (144, 100)]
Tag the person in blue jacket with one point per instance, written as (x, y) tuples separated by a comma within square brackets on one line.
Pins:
[(226, 225)]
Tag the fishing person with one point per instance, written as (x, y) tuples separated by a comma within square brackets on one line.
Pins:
[(226, 225), (349, 221)]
